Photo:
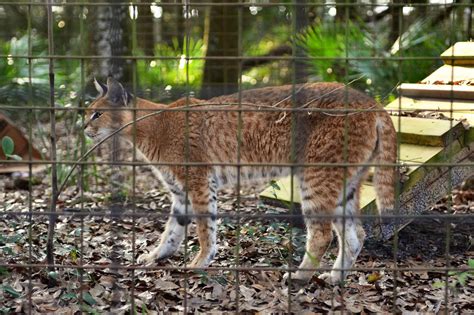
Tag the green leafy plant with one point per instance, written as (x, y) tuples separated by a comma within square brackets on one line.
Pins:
[(8, 147), (25, 80), (17, 73), (327, 43), (171, 68), (11, 291), (330, 42), (462, 276), (275, 187), (458, 277)]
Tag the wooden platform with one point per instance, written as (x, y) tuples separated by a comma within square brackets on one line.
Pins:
[(423, 141)]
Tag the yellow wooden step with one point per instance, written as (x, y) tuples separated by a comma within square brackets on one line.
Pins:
[(430, 132), (414, 155), (443, 91), (281, 191), (448, 73), (461, 53), (457, 109)]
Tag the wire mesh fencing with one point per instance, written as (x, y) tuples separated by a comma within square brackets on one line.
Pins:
[(184, 156)]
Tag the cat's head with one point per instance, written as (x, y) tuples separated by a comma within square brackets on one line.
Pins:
[(108, 111)]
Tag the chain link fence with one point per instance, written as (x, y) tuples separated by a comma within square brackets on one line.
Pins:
[(76, 215)]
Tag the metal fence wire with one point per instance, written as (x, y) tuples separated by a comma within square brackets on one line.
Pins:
[(76, 214)]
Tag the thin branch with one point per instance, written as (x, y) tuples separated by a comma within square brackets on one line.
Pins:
[(52, 115)]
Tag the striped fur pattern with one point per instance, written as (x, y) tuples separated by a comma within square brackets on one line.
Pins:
[(211, 137)]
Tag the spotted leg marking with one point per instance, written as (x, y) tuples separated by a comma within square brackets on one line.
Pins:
[(174, 232), (319, 190), (205, 205)]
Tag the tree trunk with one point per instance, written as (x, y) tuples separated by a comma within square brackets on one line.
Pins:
[(145, 29), (351, 13), (112, 40), (221, 76), (173, 24), (112, 36), (396, 20), (300, 23)]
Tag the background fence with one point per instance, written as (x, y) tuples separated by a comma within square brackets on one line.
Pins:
[(111, 208)]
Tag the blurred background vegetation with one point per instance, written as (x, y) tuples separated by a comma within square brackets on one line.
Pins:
[(164, 46)]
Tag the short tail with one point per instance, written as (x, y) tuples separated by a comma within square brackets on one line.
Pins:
[(385, 177)]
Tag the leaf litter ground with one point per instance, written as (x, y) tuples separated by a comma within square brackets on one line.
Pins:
[(108, 239)]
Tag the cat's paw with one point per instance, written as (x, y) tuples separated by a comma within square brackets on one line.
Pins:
[(333, 277), (146, 259), (298, 278), (201, 261)]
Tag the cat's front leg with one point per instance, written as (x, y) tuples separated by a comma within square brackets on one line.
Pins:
[(205, 207), (174, 232)]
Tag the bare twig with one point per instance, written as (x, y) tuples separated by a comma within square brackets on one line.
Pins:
[(54, 177)]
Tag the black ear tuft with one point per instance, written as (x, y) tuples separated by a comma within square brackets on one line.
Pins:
[(116, 93), (100, 87)]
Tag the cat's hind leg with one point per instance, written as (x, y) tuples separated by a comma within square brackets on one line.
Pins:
[(350, 236), (204, 201), (319, 191)]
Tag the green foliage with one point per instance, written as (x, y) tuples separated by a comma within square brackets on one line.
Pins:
[(171, 67), (16, 72), (326, 41), (68, 296), (8, 147), (25, 79), (87, 297), (4, 271), (382, 64), (459, 278), (8, 289)]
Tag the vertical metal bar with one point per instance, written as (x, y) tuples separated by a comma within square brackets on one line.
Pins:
[(450, 160), (187, 153), (134, 153), (52, 113), (83, 150), (345, 147), (297, 21), (239, 147), (397, 210), (30, 165), (294, 56)]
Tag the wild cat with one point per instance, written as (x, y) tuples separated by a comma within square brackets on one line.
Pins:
[(266, 146)]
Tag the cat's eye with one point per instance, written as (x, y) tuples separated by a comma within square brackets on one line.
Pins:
[(95, 115)]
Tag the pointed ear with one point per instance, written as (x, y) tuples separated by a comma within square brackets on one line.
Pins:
[(116, 93), (101, 88)]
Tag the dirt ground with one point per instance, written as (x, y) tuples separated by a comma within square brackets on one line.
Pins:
[(432, 256)]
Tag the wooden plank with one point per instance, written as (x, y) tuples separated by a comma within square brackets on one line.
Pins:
[(282, 192), (409, 153), (12, 168), (460, 109), (448, 73), (461, 53), (464, 92), (431, 132)]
